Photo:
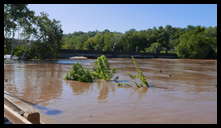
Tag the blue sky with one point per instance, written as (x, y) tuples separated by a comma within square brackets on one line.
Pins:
[(122, 17)]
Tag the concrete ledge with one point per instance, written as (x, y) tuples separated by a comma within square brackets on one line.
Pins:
[(16, 111), (14, 117)]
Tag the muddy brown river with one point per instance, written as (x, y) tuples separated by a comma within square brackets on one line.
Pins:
[(182, 91)]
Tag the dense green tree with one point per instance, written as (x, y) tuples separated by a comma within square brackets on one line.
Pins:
[(29, 28), (196, 43), (76, 40), (129, 41), (89, 44), (17, 16), (155, 47), (49, 33), (211, 32), (17, 19)]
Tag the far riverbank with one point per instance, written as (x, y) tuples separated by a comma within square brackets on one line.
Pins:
[(95, 54)]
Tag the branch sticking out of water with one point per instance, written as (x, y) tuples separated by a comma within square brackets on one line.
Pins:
[(140, 76)]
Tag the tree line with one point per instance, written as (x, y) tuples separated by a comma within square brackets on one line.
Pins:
[(188, 42), (39, 37)]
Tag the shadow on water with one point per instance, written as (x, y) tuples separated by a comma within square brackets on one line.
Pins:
[(6, 121), (45, 110)]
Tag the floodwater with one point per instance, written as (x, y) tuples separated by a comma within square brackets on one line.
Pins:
[(182, 91)]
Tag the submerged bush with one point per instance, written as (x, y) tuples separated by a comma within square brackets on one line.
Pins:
[(139, 76), (101, 70), (79, 73), (139, 79)]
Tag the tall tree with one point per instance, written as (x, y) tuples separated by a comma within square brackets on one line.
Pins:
[(19, 19), (195, 43)]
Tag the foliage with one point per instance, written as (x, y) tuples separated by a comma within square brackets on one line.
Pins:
[(7, 46), (139, 76), (19, 19), (196, 43), (154, 48), (39, 51), (79, 73), (21, 50), (49, 34), (102, 69), (154, 40), (17, 16), (75, 40)]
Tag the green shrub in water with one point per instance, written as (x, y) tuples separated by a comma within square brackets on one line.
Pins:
[(102, 69), (79, 73), (139, 76)]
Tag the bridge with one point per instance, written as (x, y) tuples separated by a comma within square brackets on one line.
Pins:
[(67, 53)]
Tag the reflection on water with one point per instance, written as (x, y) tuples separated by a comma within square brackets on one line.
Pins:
[(103, 87), (78, 88), (182, 91), (32, 82)]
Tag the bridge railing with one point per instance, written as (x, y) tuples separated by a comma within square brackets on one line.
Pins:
[(18, 112)]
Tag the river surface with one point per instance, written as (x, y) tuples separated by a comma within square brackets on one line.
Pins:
[(182, 91)]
